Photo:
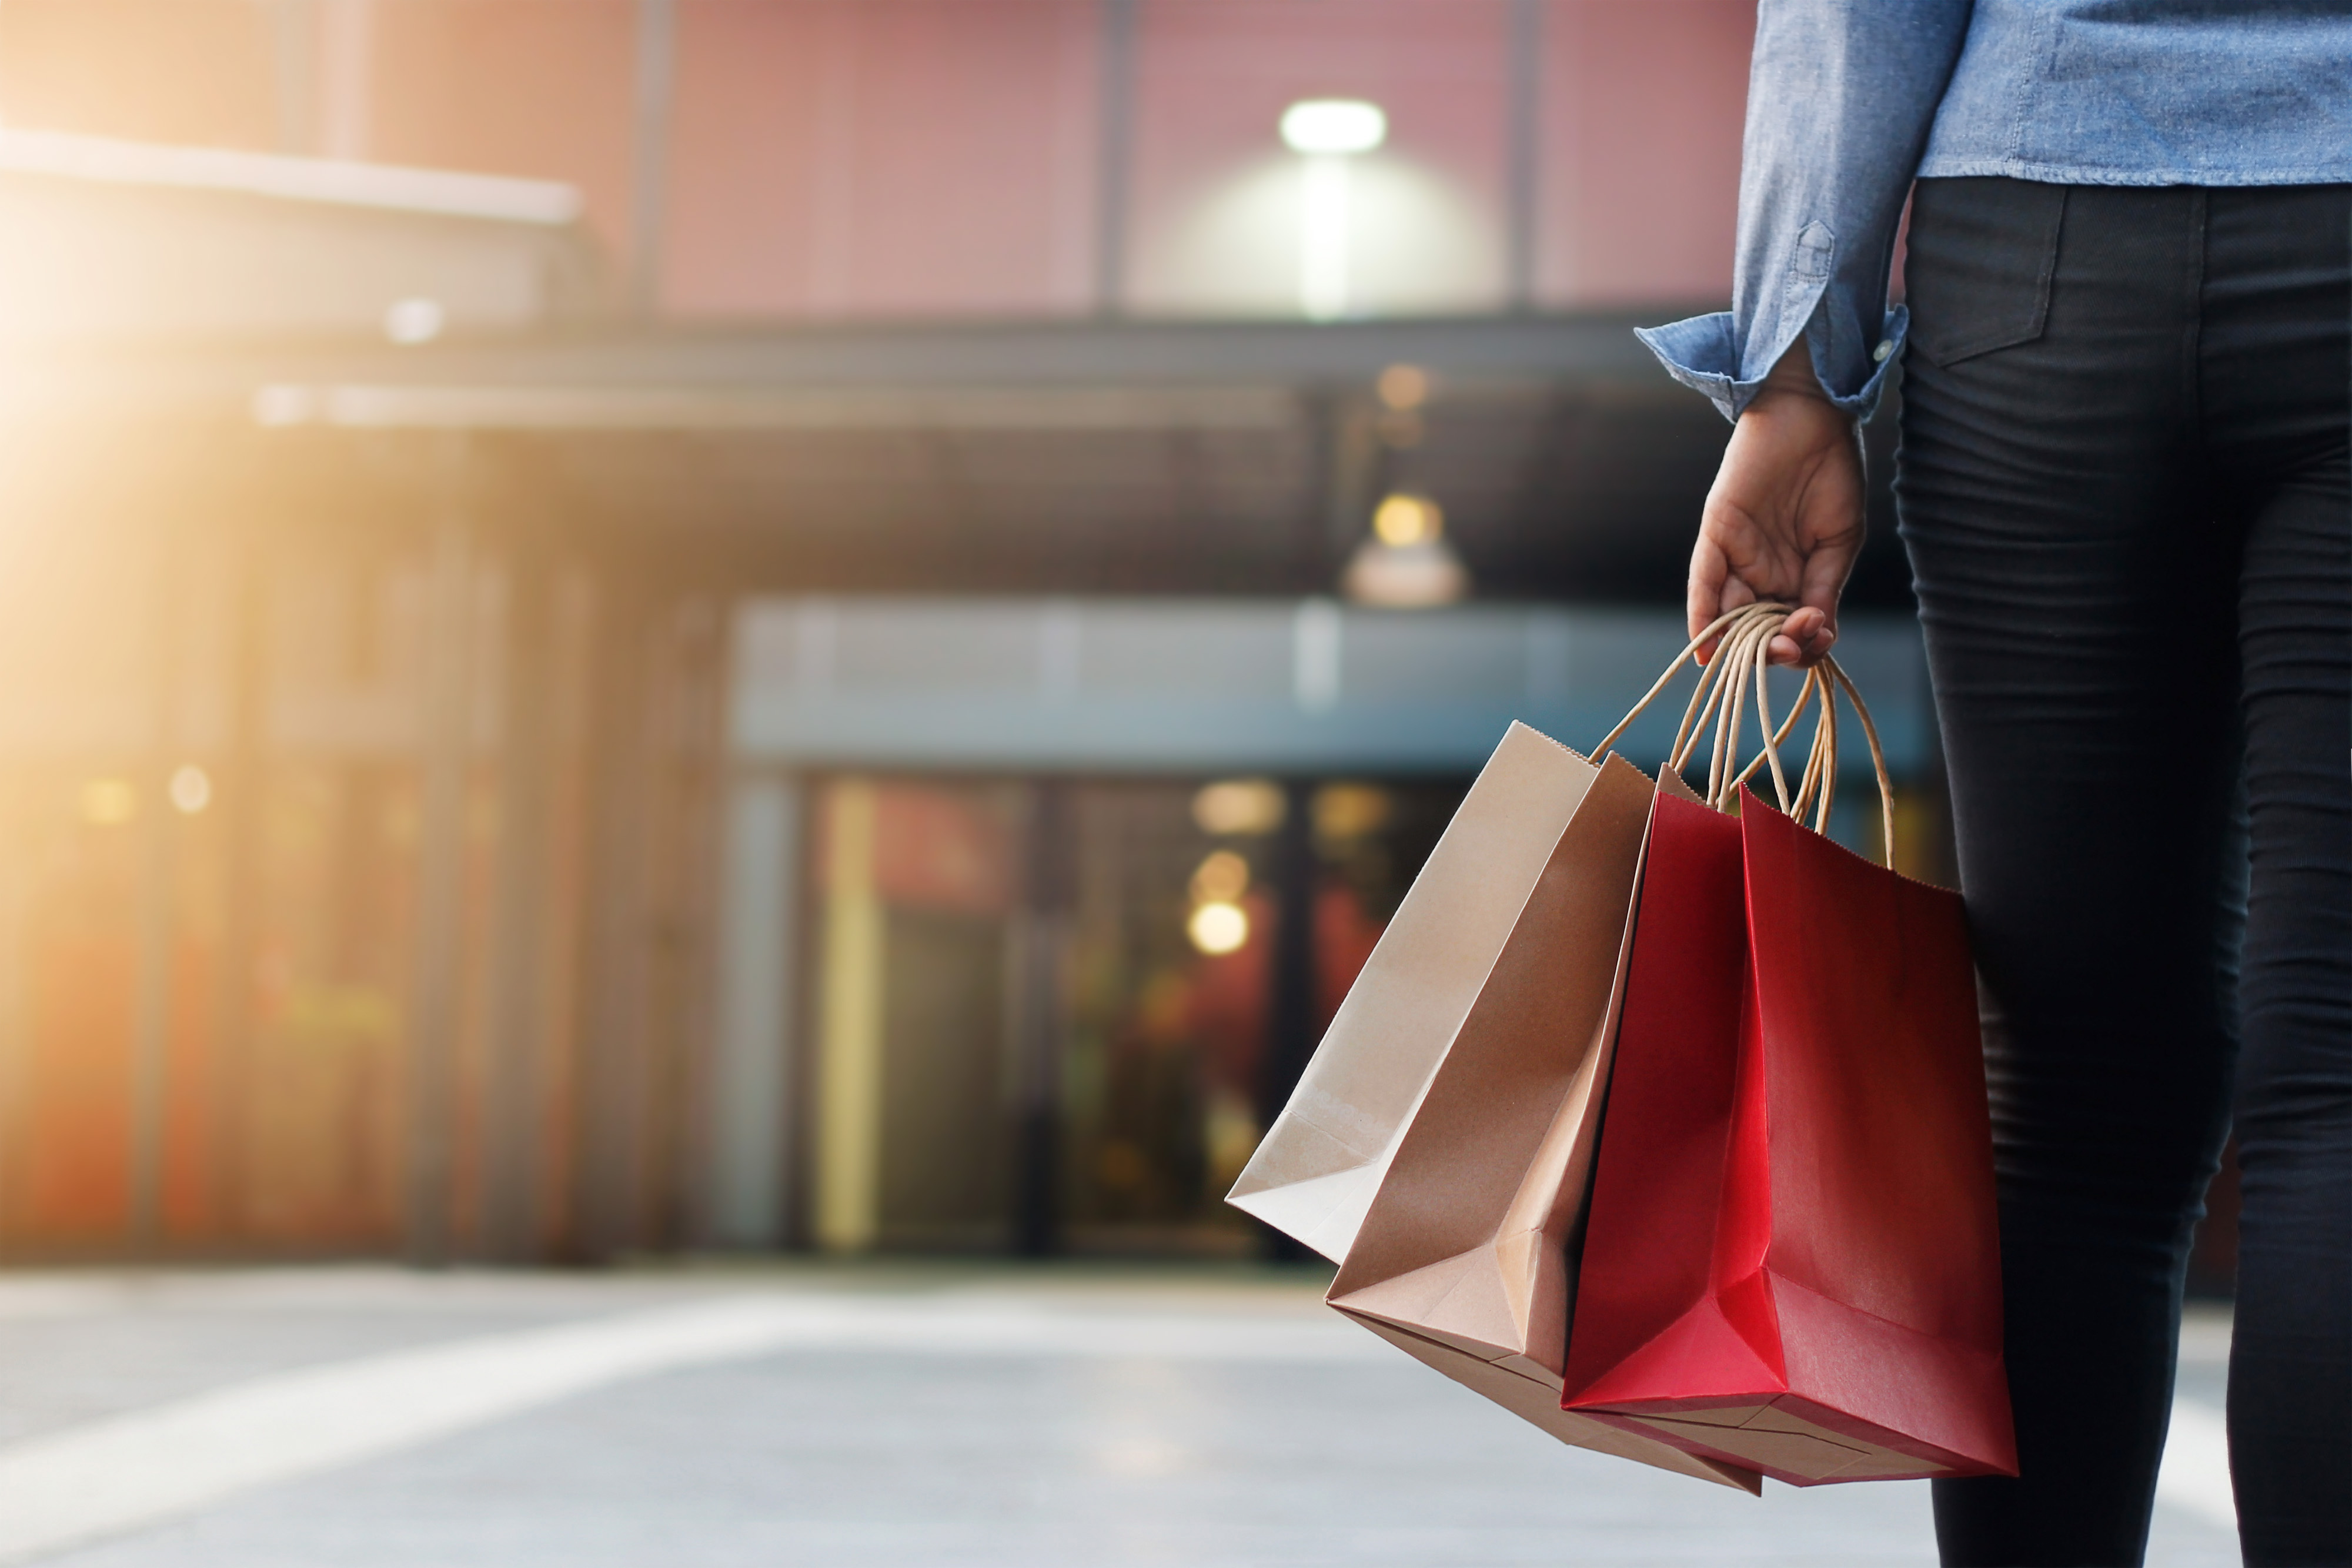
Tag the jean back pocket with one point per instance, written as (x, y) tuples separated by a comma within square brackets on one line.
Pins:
[(1982, 252)]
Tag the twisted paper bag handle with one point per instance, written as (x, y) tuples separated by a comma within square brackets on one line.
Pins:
[(1721, 694)]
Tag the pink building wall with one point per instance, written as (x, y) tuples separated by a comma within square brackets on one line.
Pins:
[(883, 157), (833, 158), (161, 71), (1643, 106), (537, 88)]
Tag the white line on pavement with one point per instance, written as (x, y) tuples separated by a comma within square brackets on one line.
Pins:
[(128, 1471), (121, 1473), (2196, 1473)]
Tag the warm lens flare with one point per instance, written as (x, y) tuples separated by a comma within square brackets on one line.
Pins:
[(1408, 520), (108, 802), (1403, 387), (1238, 807), (1221, 879), (191, 789), (1217, 928), (1352, 810)]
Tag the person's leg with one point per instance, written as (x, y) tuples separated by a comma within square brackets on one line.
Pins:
[(2278, 374), (2291, 1355), (2081, 637)]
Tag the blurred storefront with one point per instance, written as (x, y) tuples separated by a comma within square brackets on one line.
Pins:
[(1104, 867), (839, 630), (1120, 1023)]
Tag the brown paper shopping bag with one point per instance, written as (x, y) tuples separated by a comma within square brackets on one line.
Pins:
[(1315, 1174), (1503, 952), (1463, 1259)]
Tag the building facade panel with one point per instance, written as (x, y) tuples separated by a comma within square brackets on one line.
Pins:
[(1643, 103), (883, 158)]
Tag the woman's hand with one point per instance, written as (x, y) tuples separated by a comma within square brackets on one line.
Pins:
[(1785, 517)]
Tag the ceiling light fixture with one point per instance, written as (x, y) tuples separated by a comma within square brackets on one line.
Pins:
[(1326, 133), (1334, 125)]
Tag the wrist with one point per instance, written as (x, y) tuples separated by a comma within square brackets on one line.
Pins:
[(1792, 377)]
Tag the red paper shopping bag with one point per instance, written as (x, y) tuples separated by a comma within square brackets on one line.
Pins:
[(1790, 1260)]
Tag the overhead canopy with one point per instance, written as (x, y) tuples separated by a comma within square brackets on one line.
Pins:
[(108, 240), (249, 294), (1206, 685)]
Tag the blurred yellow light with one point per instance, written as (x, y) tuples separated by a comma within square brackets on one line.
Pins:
[(1334, 125), (1402, 387), (1238, 806), (1350, 811), (1218, 927), (192, 789), (1408, 520), (1221, 879), (108, 801)]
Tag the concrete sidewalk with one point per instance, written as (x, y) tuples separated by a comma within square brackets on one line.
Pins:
[(932, 1415)]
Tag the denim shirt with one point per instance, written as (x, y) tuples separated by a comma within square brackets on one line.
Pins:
[(1848, 100)]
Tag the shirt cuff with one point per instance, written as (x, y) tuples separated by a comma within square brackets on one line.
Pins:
[(1701, 352)]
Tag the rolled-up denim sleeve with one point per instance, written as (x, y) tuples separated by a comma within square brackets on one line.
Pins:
[(1841, 96)]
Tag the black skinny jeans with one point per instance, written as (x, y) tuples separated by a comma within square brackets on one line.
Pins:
[(2122, 486)]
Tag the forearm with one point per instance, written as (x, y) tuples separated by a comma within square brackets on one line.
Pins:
[(1841, 97)]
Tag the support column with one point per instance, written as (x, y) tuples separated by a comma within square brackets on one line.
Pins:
[(1040, 1015), (1115, 144), (158, 854), (514, 1089), (295, 47), (434, 1021), (1524, 131), (242, 791), (606, 1157), (685, 834), (656, 88), (1290, 1032), (748, 1088), (850, 1022)]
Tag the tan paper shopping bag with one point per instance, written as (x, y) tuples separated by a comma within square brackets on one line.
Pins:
[(1462, 1258), (1315, 1172)]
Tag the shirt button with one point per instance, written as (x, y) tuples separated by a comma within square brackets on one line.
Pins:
[(1885, 347)]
